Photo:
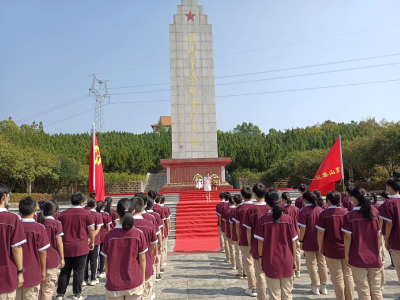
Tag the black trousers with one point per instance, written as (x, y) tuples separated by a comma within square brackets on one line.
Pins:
[(92, 262), (77, 264), (102, 261)]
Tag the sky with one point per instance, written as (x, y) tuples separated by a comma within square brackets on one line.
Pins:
[(49, 51)]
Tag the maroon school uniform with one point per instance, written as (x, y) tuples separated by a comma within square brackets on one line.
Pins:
[(54, 230), (56, 216), (364, 248), (299, 202), (233, 224), (122, 249), (75, 222), (37, 241), (224, 207), (157, 217), (380, 209), (114, 217), (11, 235), (331, 221), (308, 218), (151, 238), (278, 245), (324, 205), (167, 213), (98, 220), (346, 202), (226, 216), (239, 218), (218, 211), (376, 204), (390, 212), (250, 221), (292, 211), (106, 221), (158, 209)]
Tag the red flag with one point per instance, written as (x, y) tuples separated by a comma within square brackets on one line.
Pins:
[(96, 176), (330, 171)]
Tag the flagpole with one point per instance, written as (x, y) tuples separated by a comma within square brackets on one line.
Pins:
[(341, 159), (94, 156)]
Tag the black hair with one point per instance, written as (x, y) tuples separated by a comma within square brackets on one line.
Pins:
[(4, 190), (27, 206), (157, 199), (221, 195), (374, 197), (124, 210), (231, 202), (138, 204), (78, 198), (349, 188), (303, 188), (364, 201), (272, 198), (320, 201), (385, 194), (108, 203), (238, 199), (334, 197), (47, 210), (143, 196), (92, 195), (246, 193), (150, 203), (91, 203), (162, 199), (286, 196), (57, 207), (227, 195), (311, 198), (152, 194), (100, 205), (259, 189), (394, 183)]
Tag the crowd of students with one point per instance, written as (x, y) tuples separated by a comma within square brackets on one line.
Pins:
[(127, 246), (345, 235)]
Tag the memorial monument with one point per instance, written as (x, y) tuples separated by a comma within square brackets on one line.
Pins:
[(193, 111)]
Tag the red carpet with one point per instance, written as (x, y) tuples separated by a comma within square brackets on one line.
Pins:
[(196, 222)]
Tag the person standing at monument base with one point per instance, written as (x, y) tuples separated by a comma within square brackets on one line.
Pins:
[(224, 207), (218, 212)]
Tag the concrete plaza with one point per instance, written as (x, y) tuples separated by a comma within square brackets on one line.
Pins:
[(206, 276)]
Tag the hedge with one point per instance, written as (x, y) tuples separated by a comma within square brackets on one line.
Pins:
[(15, 198)]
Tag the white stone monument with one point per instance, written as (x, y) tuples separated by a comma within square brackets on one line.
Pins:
[(193, 111)]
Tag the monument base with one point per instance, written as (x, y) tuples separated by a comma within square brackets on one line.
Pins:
[(180, 172)]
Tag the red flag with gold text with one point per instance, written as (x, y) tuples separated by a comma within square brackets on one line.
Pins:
[(96, 176), (330, 171)]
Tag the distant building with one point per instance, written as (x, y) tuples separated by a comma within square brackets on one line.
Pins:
[(165, 121)]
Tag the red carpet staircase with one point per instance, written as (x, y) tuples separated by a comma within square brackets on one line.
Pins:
[(196, 222)]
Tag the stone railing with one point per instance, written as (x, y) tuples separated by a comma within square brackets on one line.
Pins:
[(124, 187)]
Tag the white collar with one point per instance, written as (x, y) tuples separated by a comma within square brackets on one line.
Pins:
[(270, 211), (232, 206), (394, 196), (309, 204), (248, 202), (76, 206), (357, 208), (49, 218), (332, 206), (287, 205), (150, 210), (93, 210), (223, 201), (138, 217), (260, 203), (162, 204), (3, 209), (28, 220), (144, 212), (118, 226)]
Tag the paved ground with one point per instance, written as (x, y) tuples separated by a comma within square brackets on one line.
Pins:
[(205, 275)]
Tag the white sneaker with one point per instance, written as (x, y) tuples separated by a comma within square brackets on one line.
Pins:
[(59, 298), (94, 282), (382, 288), (297, 274), (102, 275), (315, 290), (84, 283), (222, 250), (383, 262), (323, 290), (153, 296), (165, 264), (233, 268), (79, 297), (251, 293)]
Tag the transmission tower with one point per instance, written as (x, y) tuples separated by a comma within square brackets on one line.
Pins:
[(97, 86)]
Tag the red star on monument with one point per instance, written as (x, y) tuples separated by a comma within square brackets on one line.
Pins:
[(190, 16)]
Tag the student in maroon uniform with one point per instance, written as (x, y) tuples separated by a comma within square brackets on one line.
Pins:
[(346, 203), (107, 222), (111, 211), (224, 206), (125, 250), (276, 233), (93, 256), (391, 214), (241, 231), (315, 261), (157, 208), (259, 209), (361, 242), (384, 197), (293, 211), (149, 210), (218, 212), (237, 199), (55, 253), (151, 239), (150, 217), (228, 232), (34, 251), (167, 232), (331, 244), (299, 201), (12, 237), (375, 202), (78, 226), (321, 202)]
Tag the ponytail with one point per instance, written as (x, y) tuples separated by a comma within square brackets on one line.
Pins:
[(277, 212), (286, 196), (334, 198), (320, 201), (273, 200), (364, 201), (311, 198), (385, 194), (374, 197), (107, 207), (100, 205), (47, 210), (125, 208)]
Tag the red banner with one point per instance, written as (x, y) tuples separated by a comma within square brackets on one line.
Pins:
[(96, 176), (330, 171)]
